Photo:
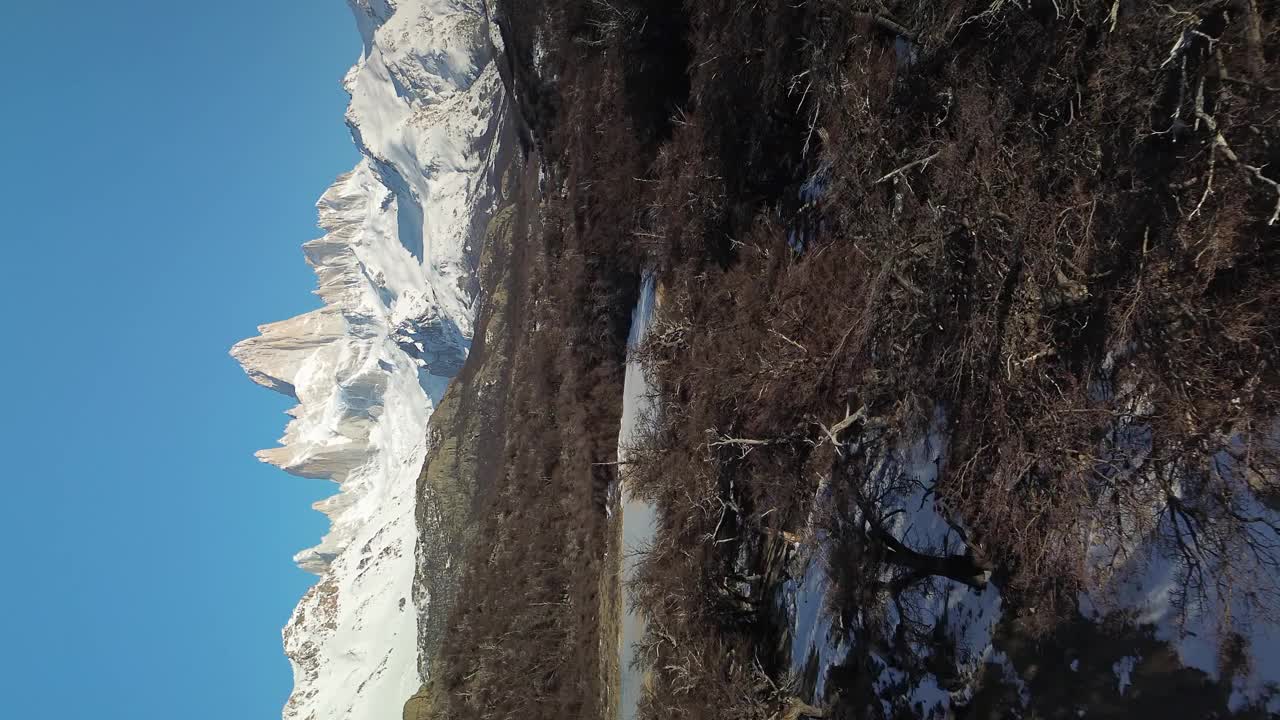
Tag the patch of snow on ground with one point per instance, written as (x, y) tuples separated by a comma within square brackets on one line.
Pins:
[(1123, 669), (931, 700), (638, 516), (967, 615), (1146, 588), (1010, 675), (887, 684), (813, 631)]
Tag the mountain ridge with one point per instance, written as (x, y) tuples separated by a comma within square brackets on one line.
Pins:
[(395, 270)]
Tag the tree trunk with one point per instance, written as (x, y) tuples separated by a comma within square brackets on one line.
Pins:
[(965, 568)]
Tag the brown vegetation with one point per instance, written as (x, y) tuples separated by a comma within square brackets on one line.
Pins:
[(528, 636), (1056, 221)]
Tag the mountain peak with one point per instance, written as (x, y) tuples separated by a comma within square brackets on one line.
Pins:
[(369, 366)]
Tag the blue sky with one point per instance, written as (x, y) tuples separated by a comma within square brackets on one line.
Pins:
[(161, 161)]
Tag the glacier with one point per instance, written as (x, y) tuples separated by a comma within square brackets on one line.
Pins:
[(395, 271)]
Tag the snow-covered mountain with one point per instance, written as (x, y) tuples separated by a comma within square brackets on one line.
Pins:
[(395, 270)]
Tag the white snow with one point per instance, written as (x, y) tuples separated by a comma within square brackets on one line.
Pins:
[(907, 472), (887, 683), (369, 366), (1123, 669), (924, 696), (638, 516), (932, 700), (1145, 586), (970, 616), (814, 633), (1010, 675)]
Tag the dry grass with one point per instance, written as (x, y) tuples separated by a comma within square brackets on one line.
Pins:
[(1051, 219)]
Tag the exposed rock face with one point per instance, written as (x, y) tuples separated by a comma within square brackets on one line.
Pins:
[(395, 270)]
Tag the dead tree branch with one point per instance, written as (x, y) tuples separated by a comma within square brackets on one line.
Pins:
[(885, 23), (1221, 145), (908, 166)]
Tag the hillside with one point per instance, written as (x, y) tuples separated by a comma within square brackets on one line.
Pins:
[(965, 360)]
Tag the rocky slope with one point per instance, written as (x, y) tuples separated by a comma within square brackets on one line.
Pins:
[(396, 274)]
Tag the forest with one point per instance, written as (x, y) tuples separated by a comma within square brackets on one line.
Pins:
[(1039, 240)]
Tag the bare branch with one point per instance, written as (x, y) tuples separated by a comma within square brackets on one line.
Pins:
[(908, 166), (789, 340), (885, 23), (1220, 144)]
